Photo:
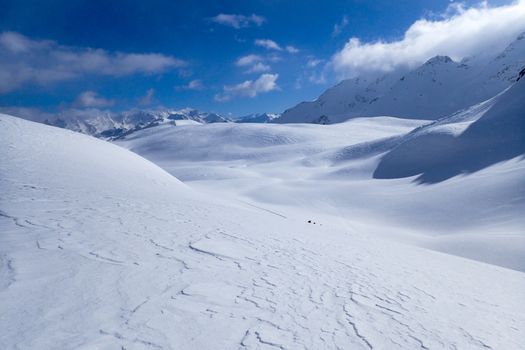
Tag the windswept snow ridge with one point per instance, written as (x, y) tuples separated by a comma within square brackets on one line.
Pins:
[(494, 131), (102, 249)]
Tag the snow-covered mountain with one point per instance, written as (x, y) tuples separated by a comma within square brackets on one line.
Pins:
[(257, 118), (107, 125), (436, 89), (115, 125)]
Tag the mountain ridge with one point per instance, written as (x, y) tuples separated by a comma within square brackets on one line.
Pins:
[(420, 93)]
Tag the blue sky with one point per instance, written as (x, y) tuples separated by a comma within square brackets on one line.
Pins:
[(233, 57)]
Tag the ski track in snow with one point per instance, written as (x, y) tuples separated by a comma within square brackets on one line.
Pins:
[(163, 268)]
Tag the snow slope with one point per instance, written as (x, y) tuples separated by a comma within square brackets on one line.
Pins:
[(438, 152), (436, 89), (100, 248)]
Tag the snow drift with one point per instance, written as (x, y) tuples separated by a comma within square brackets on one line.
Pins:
[(436, 155)]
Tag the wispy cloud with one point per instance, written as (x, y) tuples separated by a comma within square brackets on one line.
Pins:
[(460, 32), (148, 98), (91, 99), (24, 61), (258, 63), (313, 62), (195, 85), (249, 88), (291, 49), (238, 21), (315, 71), (268, 44), (338, 27), (259, 67), (248, 60)]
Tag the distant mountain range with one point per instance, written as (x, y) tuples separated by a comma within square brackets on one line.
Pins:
[(435, 89), (116, 125), (258, 118)]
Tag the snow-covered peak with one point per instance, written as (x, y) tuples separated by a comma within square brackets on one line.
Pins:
[(438, 60), (509, 61), (433, 90), (349, 98)]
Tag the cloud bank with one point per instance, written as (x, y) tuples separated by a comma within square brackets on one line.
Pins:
[(459, 33), (25, 61)]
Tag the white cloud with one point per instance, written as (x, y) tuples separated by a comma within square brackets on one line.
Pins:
[(292, 49), (268, 44), (274, 58), (195, 84), (272, 45), (248, 60), (148, 98), (221, 98), (313, 62), (24, 60), (459, 33), (256, 62), (249, 88), (259, 67), (90, 99), (338, 27), (317, 78), (238, 21)]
